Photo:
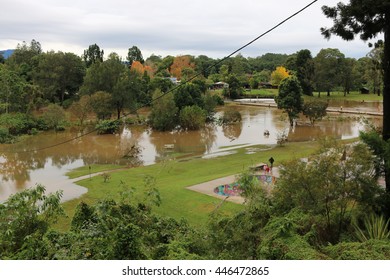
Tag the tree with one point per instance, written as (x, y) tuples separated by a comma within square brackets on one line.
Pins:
[(92, 55), (82, 108), (348, 75), (101, 103), (235, 88), (314, 110), (328, 68), (305, 71), (337, 182), (134, 54), (126, 91), (375, 69), (54, 116), (59, 75), (192, 117), (22, 59), (187, 95), (290, 98), (180, 63), (24, 219), (109, 76), (164, 112), (278, 75), (367, 18), (13, 91)]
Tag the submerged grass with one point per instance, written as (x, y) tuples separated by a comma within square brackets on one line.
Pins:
[(172, 178)]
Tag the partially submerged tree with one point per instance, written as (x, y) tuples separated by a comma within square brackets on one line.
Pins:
[(314, 110), (290, 98)]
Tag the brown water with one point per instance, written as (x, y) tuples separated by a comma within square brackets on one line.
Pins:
[(23, 167)]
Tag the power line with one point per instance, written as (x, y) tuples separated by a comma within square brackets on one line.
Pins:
[(181, 84)]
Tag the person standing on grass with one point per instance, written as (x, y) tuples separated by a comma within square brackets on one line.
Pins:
[(271, 161)]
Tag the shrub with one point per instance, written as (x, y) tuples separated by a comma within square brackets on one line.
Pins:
[(230, 116), (5, 137), (107, 127), (192, 117), (54, 117)]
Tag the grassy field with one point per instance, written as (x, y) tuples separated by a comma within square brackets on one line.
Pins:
[(174, 176), (335, 95), (352, 96)]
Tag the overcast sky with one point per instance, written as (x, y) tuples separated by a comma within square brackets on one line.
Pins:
[(170, 27)]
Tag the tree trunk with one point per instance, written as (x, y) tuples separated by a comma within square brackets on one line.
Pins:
[(118, 113), (386, 100)]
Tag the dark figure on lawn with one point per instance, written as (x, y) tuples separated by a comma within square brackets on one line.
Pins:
[(271, 161)]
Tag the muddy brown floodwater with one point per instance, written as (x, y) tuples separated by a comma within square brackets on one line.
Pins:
[(21, 169)]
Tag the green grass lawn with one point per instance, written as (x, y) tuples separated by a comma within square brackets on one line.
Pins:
[(352, 96), (174, 176), (262, 92)]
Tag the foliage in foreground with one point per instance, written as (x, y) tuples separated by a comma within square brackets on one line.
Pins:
[(312, 213)]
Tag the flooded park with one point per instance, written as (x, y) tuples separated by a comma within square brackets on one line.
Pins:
[(26, 164)]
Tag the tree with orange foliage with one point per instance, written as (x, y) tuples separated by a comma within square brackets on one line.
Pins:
[(278, 75), (180, 63), (137, 67), (141, 69)]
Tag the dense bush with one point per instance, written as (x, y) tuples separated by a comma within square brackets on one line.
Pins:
[(231, 115), (192, 117), (108, 127)]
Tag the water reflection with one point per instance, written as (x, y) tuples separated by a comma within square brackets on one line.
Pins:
[(23, 167)]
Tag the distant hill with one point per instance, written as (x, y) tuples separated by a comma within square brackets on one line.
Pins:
[(6, 53)]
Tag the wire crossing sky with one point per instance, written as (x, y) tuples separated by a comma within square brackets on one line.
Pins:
[(183, 83)]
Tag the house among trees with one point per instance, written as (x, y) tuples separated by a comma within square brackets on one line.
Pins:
[(219, 85)]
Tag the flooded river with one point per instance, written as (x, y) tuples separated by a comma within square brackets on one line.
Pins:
[(23, 164)]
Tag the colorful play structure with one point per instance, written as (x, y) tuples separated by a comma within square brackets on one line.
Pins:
[(234, 188)]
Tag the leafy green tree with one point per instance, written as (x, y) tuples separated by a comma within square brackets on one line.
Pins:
[(268, 61), (24, 219), (112, 77), (188, 94), (13, 91), (93, 55), (235, 88), (134, 54), (328, 65), (54, 116), (82, 108), (126, 91), (367, 18), (315, 110), (374, 68), (23, 59), (204, 65), (192, 117), (101, 103), (290, 98), (59, 75), (337, 182), (305, 71), (164, 112)]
